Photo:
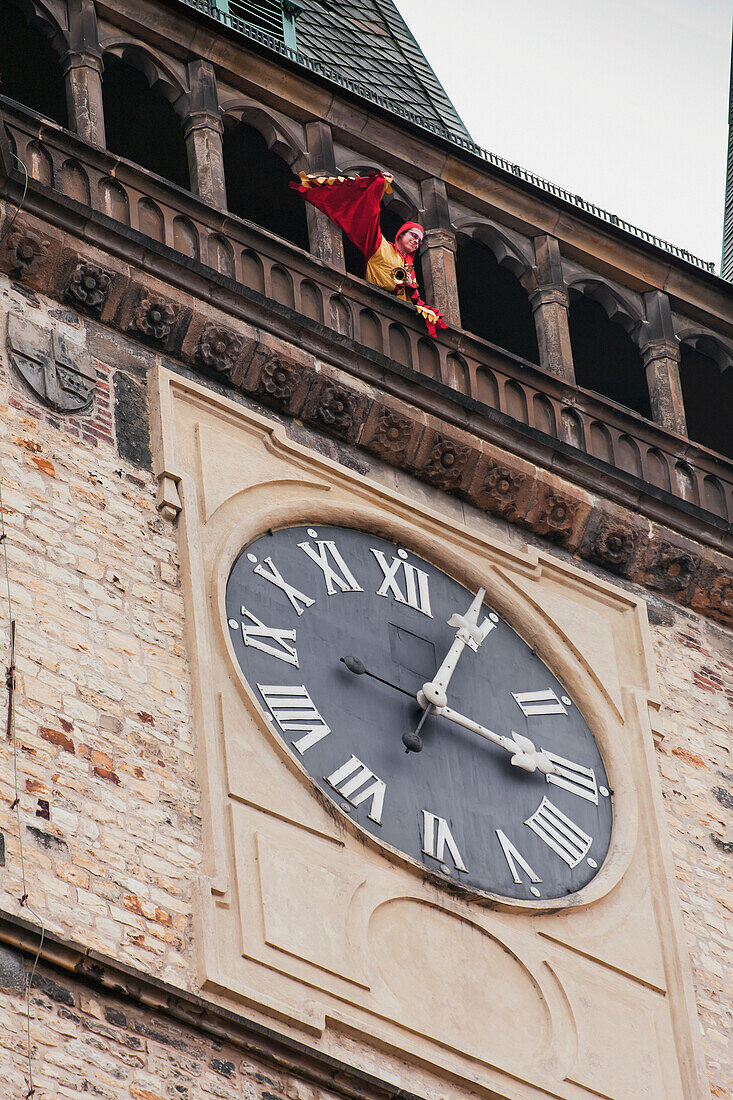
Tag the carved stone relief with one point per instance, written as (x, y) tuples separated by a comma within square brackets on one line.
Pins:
[(59, 373)]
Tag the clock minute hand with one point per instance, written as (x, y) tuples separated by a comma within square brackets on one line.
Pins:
[(468, 632), (524, 754)]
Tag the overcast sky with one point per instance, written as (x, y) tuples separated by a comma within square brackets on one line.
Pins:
[(623, 102)]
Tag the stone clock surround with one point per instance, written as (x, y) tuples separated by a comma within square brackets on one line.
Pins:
[(599, 981)]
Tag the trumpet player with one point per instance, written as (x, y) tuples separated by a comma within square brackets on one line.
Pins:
[(353, 203)]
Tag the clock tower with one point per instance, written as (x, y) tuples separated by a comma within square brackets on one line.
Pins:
[(368, 661)]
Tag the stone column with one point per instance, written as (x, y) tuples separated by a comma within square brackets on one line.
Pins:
[(83, 69), (662, 366), (661, 356), (438, 253), (325, 238), (203, 128), (550, 302)]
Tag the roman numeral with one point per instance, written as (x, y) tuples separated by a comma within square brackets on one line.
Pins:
[(514, 858), (275, 577), (356, 783), (255, 635), (437, 837), (344, 580), (539, 702), (559, 833), (295, 712), (573, 777), (416, 582)]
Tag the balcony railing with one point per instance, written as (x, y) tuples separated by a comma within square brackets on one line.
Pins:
[(281, 272), (208, 7)]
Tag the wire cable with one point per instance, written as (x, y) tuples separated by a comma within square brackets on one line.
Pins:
[(10, 681), (7, 229)]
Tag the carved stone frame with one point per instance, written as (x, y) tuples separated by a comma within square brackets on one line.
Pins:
[(301, 915)]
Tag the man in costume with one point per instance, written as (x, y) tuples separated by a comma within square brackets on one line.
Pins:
[(353, 202)]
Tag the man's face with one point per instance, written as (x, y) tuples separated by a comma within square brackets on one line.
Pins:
[(409, 242)]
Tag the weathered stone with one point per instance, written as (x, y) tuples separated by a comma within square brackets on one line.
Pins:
[(89, 287), (219, 349), (558, 515), (277, 380), (337, 409), (25, 251), (390, 434), (670, 567), (612, 541), (60, 373), (500, 489), (131, 420), (445, 462)]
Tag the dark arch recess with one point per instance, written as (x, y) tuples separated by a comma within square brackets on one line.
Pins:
[(257, 185), (493, 302), (30, 69), (707, 393), (605, 357), (140, 123)]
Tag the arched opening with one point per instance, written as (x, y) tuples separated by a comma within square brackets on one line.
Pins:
[(30, 70), (391, 218), (605, 357), (257, 185), (140, 123), (493, 302), (707, 393)]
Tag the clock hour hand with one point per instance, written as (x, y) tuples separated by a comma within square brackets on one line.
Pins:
[(524, 754), (468, 633), (359, 669), (412, 739)]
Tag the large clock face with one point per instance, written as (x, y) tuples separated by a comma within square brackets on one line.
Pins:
[(467, 806)]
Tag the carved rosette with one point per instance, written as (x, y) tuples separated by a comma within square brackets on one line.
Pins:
[(500, 489), (556, 516), (25, 251), (720, 595), (218, 349), (89, 286), (611, 542), (336, 408), (392, 433), (447, 463), (671, 568), (278, 379), (154, 318)]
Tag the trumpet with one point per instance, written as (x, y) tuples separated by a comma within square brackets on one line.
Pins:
[(399, 276)]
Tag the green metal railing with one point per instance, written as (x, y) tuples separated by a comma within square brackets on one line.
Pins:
[(236, 16)]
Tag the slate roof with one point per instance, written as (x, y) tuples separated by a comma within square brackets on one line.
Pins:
[(368, 41)]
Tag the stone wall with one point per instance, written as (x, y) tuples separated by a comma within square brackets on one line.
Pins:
[(109, 803), (105, 744)]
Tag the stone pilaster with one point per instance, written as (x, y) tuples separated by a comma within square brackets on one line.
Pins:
[(438, 253), (83, 69), (203, 128), (325, 238), (549, 300)]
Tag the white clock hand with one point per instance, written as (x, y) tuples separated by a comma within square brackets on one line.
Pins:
[(468, 633), (524, 754)]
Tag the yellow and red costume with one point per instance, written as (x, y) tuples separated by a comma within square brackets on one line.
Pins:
[(353, 202)]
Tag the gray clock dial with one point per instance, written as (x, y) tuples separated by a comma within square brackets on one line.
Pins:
[(506, 793)]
